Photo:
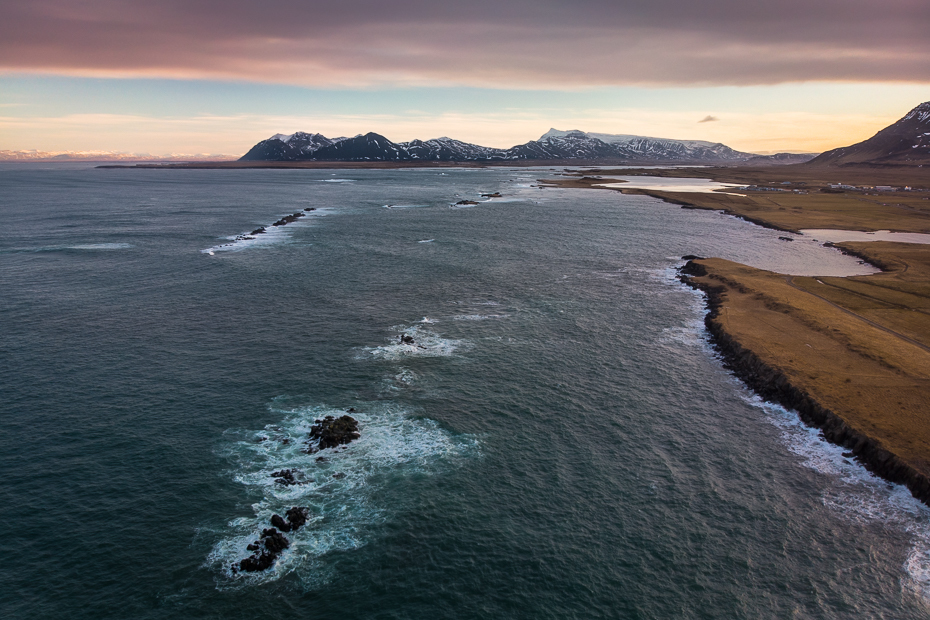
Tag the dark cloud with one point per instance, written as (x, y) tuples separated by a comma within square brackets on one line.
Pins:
[(708, 119), (542, 43)]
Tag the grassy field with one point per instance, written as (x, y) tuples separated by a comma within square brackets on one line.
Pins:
[(860, 347)]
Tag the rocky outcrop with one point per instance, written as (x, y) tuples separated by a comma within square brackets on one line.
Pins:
[(331, 432), (772, 385), (272, 542), (287, 219), (266, 550)]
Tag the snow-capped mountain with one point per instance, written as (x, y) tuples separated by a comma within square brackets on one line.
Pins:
[(280, 147), (553, 145), (906, 142), (655, 148)]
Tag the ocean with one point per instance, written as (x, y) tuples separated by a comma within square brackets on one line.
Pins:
[(560, 440)]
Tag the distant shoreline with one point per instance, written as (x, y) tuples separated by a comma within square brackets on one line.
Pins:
[(312, 165)]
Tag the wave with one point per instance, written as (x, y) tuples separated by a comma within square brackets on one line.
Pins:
[(478, 317), (859, 495), (64, 248), (337, 485)]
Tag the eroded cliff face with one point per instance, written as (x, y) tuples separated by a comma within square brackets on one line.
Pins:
[(777, 374)]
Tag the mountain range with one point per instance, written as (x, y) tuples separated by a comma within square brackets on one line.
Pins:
[(553, 145), (906, 142)]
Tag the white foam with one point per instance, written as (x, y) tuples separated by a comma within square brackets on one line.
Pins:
[(478, 317), (426, 343), (859, 495), (100, 246), (337, 180), (393, 445), (426, 241)]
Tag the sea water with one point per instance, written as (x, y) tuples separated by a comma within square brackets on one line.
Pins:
[(560, 440)]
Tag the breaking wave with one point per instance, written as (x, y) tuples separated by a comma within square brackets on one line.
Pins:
[(858, 494)]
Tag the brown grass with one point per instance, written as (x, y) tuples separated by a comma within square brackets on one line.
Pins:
[(859, 346)]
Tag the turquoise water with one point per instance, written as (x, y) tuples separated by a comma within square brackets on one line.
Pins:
[(565, 444)]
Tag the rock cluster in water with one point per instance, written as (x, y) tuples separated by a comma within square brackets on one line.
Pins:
[(287, 219), (331, 432), (272, 542), (465, 202)]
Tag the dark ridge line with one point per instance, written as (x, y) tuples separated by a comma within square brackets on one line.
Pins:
[(772, 385)]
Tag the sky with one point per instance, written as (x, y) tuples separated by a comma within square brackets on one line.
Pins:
[(210, 76)]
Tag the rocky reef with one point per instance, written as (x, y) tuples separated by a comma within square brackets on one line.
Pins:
[(329, 432), (272, 542)]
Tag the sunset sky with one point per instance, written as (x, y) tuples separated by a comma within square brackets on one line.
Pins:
[(204, 76)]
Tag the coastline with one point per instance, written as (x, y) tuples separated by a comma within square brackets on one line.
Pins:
[(850, 355), (796, 377)]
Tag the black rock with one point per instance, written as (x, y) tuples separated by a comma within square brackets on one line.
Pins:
[(297, 517), (786, 239), (274, 540), (258, 231), (331, 432), (279, 522), (257, 562), (691, 257), (310, 209), (285, 477)]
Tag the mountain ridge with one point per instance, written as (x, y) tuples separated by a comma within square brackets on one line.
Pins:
[(553, 145)]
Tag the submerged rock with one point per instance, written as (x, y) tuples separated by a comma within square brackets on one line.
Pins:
[(285, 476)]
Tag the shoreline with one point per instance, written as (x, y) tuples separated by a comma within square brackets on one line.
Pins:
[(774, 382), (376, 165)]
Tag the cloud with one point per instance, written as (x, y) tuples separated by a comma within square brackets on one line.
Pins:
[(708, 119), (497, 43)]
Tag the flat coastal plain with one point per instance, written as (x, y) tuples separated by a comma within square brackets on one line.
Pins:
[(851, 354)]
